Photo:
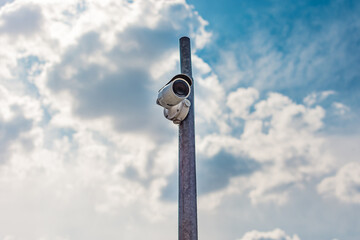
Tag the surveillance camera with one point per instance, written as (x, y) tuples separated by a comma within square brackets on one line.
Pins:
[(173, 98), (176, 90)]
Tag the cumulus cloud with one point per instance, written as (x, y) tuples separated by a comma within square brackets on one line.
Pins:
[(114, 73), (83, 145), (345, 185), (276, 234), (280, 136), (3, 2), (285, 131), (215, 173), (18, 114), (23, 20), (80, 130), (240, 101)]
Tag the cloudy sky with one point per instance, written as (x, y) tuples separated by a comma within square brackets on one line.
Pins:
[(86, 154)]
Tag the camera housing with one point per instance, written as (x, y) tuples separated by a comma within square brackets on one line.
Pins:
[(172, 97)]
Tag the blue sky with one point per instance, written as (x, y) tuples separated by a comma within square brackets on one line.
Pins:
[(324, 30), (85, 153)]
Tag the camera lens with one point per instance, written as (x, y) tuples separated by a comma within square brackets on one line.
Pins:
[(180, 88)]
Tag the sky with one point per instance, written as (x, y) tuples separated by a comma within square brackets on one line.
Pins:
[(85, 153)]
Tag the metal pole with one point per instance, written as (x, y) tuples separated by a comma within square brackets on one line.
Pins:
[(187, 169)]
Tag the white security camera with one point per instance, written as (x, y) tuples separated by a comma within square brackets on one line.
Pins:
[(172, 97)]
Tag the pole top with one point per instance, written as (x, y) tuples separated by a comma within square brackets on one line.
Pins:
[(184, 38)]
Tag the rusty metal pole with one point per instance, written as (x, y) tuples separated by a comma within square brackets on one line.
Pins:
[(187, 170)]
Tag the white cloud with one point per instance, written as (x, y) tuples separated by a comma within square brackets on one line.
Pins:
[(71, 90), (276, 234), (340, 108), (298, 63), (317, 97), (240, 101), (18, 114), (281, 136), (228, 69), (24, 20), (345, 185), (209, 100), (279, 128), (287, 135), (86, 151)]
